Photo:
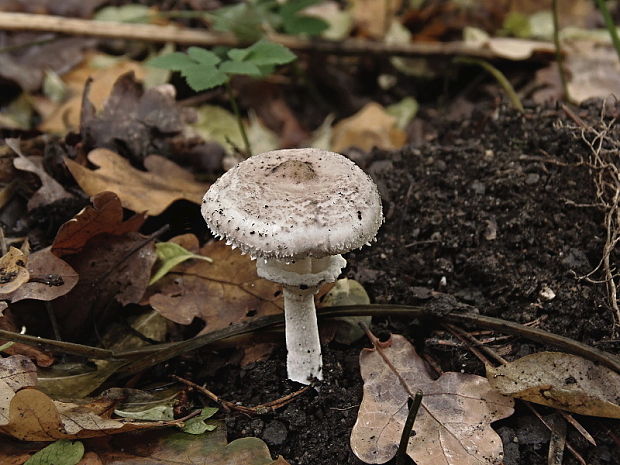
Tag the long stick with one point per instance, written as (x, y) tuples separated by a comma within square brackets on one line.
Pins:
[(189, 36)]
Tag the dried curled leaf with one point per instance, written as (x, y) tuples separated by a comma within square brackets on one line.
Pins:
[(453, 424), (50, 190), (105, 216), (50, 277), (560, 380), (151, 191), (30, 415), (13, 271)]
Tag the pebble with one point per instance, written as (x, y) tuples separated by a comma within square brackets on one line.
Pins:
[(275, 433), (532, 179)]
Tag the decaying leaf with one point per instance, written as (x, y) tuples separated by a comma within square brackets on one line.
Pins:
[(49, 277), (75, 380), (110, 268), (33, 416), (453, 424), (28, 414), (13, 271), (373, 17), (176, 448), (560, 380), (151, 191), (67, 116), (370, 127), (105, 216), (133, 121), (223, 292), (50, 190)]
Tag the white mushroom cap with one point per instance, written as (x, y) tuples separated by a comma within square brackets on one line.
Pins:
[(294, 203)]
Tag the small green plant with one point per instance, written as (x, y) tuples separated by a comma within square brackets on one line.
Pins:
[(204, 69)]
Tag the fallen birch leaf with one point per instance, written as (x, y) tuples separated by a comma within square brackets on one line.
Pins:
[(370, 127), (560, 380), (453, 423), (13, 271), (105, 216), (50, 277), (223, 292), (151, 191), (50, 190)]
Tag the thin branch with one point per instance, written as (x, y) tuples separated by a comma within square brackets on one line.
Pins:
[(257, 410), (189, 36), (143, 358)]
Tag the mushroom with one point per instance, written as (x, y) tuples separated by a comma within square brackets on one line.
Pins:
[(296, 211)]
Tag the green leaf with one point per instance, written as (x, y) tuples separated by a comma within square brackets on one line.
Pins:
[(266, 70), (201, 78), (240, 67), (304, 25), (197, 425), (268, 53), (238, 54), (63, 452), (203, 56), (175, 61), (171, 254)]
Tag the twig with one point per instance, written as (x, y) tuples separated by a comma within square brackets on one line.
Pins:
[(258, 410), (59, 346), (559, 59), (187, 36), (406, 435), (143, 358), (53, 320)]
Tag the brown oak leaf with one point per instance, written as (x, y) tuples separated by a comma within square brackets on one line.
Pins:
[(453, 424)]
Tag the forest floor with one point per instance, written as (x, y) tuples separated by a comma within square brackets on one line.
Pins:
[(497, 211)]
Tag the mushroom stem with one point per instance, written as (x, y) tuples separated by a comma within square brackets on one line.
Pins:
[(303, 362)]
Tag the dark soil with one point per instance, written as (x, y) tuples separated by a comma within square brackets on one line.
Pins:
[(485, 212)]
